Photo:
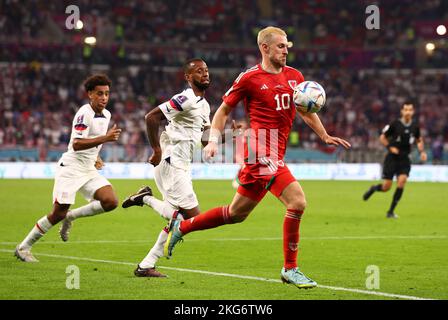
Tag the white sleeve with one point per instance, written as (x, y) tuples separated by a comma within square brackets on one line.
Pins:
[(207, 123), (81, 125), (178, 103)]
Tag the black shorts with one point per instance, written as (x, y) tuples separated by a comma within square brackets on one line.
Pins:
[(395, 165)]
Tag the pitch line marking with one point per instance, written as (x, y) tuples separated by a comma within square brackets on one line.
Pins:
[(421, 237), (230, 275)]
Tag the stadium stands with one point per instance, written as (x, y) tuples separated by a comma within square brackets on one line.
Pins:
[(366, 73)]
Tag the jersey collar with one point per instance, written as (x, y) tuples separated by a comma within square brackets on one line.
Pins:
[(406, 124), (97, 115)]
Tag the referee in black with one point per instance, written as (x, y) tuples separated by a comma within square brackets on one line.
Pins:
[(398, 138)]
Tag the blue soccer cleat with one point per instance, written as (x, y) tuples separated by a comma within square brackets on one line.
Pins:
[(297, 278), (174, 236)]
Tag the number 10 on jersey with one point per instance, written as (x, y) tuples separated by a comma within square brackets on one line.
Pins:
[(283, 101)]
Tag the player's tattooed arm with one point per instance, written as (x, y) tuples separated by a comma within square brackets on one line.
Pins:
[(82, 144), (152, 120), (313, 121)]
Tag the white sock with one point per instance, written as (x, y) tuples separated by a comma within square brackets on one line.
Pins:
[(162, 207), (156, 251), (41, 227), (90, 209)]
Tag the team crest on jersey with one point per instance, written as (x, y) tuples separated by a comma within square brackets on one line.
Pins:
[(293, 246), (177, 102), (292, 83), (181, 99), (80, 126)]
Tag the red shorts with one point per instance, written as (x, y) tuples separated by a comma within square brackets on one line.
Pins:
[(255, 181)]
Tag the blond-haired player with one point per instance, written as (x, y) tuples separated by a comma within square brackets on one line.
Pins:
[(267, 91)]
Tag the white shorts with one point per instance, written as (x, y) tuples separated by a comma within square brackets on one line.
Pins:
[(70, 179), (175, 185)]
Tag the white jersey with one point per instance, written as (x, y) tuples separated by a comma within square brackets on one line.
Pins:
[(86, 125), (187, 115)]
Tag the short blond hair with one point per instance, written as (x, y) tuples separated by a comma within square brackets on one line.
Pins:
[(265, 35)]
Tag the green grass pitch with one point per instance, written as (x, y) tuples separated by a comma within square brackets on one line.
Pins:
[(341, 236)]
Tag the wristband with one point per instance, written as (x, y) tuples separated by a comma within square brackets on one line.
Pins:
[(214, 136), (213, 139)]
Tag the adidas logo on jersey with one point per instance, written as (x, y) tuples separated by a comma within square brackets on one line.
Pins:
[(264, 87)]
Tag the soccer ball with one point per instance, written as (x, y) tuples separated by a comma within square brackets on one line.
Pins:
[(309, 96)]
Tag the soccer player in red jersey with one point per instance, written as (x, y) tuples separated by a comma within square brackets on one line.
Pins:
[(267, 91)]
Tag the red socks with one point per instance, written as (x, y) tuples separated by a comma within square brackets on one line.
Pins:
[(209, 219), (219, 216), (291, 237)]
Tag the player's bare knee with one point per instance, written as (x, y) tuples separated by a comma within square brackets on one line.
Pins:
[(55, 217), (401, 185), (297, 204), (109, 204), (239, 217)]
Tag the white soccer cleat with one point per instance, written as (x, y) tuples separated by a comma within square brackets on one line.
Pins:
[(296, 277), (64, 231), (25, 255)]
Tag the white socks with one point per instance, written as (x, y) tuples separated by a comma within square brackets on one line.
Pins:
[(90, 209), (156, 252), (165, 210), (41, 227)]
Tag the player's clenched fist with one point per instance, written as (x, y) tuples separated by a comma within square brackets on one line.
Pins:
[(114, 133), (156, 157), (210, 150)]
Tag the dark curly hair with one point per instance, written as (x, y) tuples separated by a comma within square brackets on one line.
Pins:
[(187, 64), (96, 80)]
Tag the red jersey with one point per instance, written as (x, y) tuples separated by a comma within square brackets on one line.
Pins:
[(268, 100)]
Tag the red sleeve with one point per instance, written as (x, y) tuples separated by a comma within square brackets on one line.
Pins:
[(237, 92), (300, 77)]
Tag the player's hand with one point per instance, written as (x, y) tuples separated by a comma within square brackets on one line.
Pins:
[(236, 128), (156, 157), (337, 141), (210, 150), (99, 164), (113, 133), (423, 156), (394, 150)]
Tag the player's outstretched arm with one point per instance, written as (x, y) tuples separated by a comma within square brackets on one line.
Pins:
[(218, 124), (313, 121), (152, 120), (82, 144), (236, 131)]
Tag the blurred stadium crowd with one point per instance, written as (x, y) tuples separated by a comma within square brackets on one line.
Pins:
[(141, 46)]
